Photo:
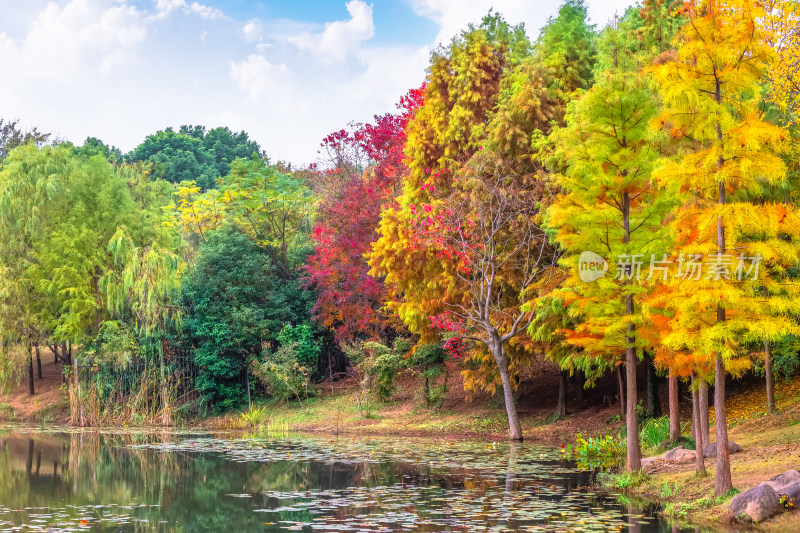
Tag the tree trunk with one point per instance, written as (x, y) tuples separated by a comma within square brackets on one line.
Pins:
[(30, 371), (38, 361), (768, 375), (562, 393), (66, 354), (621, 391), (704, 424), (722, 478), (674, 409), (247, 379), (722, 481), (632, 425), (700, 464), (653, 401), (514, 428), (581, 379)]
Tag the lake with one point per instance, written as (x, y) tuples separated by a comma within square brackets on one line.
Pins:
[(184, 482)]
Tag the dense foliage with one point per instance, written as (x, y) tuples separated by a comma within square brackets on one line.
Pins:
[(601, 199)]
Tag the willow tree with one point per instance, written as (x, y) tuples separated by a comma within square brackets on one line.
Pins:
[(709, 89), (143, 290), (57, 214)]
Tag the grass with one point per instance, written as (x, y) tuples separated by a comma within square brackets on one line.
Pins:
[(338, 412), (7, 412), (654, 431)]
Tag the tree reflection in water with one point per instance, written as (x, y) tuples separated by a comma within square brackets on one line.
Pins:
[(170, 482)]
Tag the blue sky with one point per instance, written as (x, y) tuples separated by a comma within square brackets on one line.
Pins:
[(287, 72)]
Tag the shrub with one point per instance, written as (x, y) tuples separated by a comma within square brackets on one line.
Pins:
[(283, 374), (429, 361), (654, 431), (597, 452)]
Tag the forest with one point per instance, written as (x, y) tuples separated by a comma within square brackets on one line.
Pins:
[(605, 200)]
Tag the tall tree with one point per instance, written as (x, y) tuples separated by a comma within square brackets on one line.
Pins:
[(235, 304), (349, 300), (611, 209), (568, 45), (708, 88), (489, 227)]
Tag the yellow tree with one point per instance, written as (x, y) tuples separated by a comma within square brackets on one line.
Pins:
[(710, 87), (610, 206)]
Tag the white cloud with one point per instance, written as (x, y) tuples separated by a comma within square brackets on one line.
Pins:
[(64, 42), (165, 7), (340, 37), (252, 30), (256, 76)]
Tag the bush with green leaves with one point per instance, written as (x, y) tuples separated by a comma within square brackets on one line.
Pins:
[(305, 342), (429, 361), (602, 452), (379, 365), (234, 303), (284, 373)]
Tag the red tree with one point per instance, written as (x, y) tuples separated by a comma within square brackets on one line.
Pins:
[(363, 169)]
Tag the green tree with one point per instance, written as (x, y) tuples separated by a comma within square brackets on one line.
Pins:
[(567, 44), (225, 145), (178, 157), (234, 306)]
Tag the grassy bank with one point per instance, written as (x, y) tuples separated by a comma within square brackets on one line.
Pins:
[(337, 411), (771, 446), (771, 443)]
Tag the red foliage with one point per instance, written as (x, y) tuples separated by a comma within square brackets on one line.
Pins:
[(349, 300)]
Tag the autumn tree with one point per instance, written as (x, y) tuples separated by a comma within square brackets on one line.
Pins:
[(462, 87), (489, 229), (709, 89), (610, 208), (363, 171)]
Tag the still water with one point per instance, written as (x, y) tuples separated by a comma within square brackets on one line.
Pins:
[(52, 481)]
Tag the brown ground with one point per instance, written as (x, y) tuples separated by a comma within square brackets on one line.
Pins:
[(49, 402), (463, 415)]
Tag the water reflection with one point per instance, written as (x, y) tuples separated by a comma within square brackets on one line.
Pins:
[(166, 482)]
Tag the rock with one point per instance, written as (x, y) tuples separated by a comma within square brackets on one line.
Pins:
[(756, 504), (711, 449), (648, 462), (787, 478), (787, 483), (677, 455), (792, 490), (672, 453)]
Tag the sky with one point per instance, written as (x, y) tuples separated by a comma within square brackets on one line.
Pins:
[(287, 72)]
